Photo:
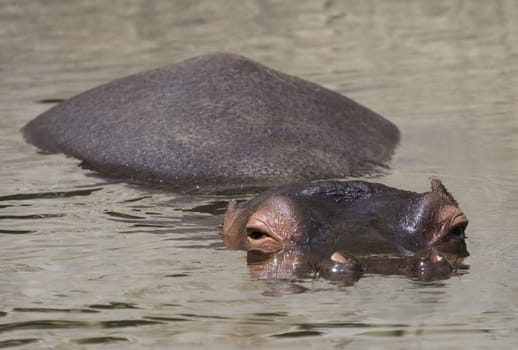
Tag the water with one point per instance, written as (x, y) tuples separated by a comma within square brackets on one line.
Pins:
[(88, 263)]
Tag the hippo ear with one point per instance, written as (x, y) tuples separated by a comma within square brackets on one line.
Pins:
[(438, 187), (232, 226)]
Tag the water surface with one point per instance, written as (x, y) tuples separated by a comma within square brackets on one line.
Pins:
[(87, 262)]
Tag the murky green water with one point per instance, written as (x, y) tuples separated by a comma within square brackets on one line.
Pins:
[(87, 263)]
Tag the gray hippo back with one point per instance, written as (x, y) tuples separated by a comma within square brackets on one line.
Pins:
[(219, 120)]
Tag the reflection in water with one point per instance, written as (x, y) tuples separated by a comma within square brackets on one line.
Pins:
[(282, 268), (284, 265)]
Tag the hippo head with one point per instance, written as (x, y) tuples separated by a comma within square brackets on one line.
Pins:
[(347, 215)]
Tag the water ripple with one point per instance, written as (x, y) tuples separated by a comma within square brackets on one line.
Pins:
[(30, 217), (41, 195), (16, 232), (100, 340), (16, 342), (49, 310), (114, 306), (68, 324), (297, 334)]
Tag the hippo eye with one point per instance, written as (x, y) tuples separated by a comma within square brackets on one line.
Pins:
[(457, 231), (260, 239), (256, 234)]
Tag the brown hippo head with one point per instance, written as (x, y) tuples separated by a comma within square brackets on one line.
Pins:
[(359, 217)]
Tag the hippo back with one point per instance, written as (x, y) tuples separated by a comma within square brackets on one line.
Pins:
[(216, 119)]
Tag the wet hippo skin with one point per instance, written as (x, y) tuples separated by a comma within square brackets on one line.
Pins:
[(341, 229), (218, 119)]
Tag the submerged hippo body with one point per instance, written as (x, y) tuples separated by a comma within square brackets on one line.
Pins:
[(339, 228), (216, 119)]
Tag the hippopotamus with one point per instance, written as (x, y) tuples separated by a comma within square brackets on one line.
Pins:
[(216, 120), (343, 229)]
